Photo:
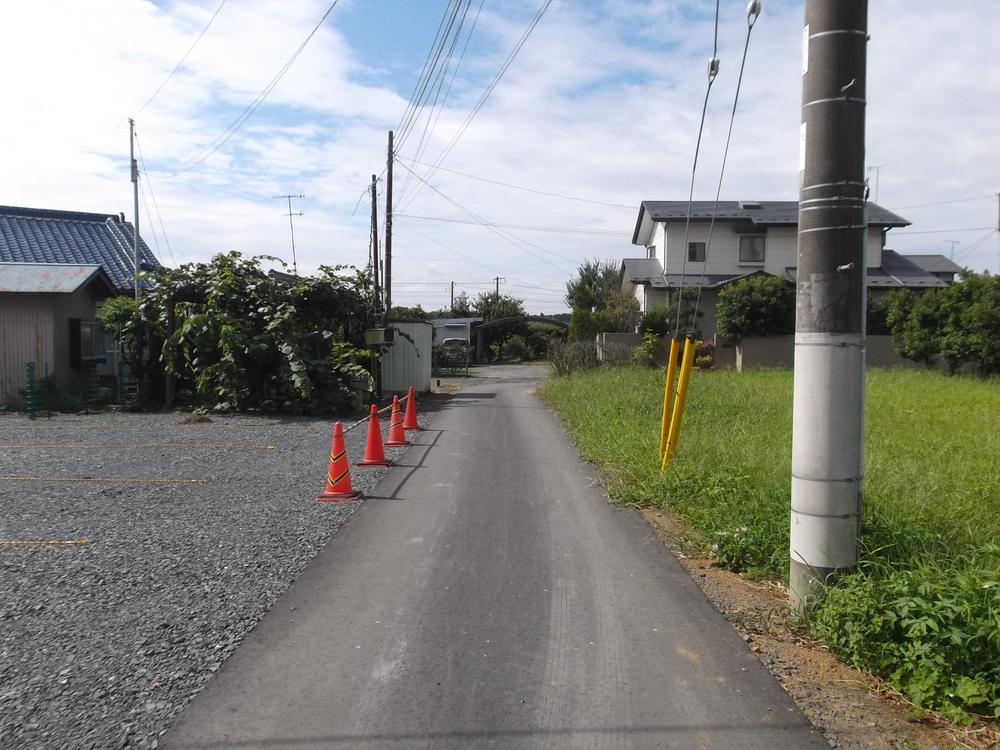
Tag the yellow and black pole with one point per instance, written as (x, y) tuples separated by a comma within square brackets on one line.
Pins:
[(677, 413), (668, 393)]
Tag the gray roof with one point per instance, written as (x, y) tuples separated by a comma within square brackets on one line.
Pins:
[(709, 280), (49, 278), (770, 213), (934, 263), (896, 272), (644, 271), (38, 235)]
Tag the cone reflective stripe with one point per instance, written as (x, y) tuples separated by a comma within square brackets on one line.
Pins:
[(338, 475), (374, 453), (410, 417), (397, 435)]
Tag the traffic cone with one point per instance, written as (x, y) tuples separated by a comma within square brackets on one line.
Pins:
[(410, 417), (374, 454), (338, 476), (397, 436)]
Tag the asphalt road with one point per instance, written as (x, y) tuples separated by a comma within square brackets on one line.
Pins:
[(491, 597)]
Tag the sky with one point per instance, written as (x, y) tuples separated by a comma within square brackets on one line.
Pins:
[(598, 111)]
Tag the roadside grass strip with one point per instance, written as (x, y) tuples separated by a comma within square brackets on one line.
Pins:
[(923, 609)]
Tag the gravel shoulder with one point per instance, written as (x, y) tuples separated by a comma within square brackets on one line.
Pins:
[(193, 531)]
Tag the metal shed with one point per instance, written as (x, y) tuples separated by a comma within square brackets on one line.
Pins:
[(407, 362)]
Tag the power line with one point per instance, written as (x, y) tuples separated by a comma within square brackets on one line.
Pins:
[(502, 233), (178, 65), (975, 244), (220, 140), (521, 187), (156, 206), (943, 203), (529, 227), (713, 71), (753, 13), (486, 93), (942, 231)]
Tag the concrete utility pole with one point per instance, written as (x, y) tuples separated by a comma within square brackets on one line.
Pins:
[(135, 204), (291, 227), (388, 229), (375, 253), (498, 279), (828, 413), (952, 243), (452, 305)]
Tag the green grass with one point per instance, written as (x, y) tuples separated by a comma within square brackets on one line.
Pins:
[(924, 610)]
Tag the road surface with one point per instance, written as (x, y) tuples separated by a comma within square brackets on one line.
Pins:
[(491, 597)]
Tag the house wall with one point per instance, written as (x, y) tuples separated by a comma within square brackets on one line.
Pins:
[(779, 351), (26, 334), (404, 363), (780, 249)]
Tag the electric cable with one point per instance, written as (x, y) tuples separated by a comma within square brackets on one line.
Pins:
[(178, 65), (222, 138), (520, 187), (502, 233), (527, 227), (753, 13), (486, 94), (713, 71), (156, 206)]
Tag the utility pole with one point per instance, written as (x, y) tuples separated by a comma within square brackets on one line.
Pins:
[(828, 413), (291, 227), (452, 305), (135, 204), (388, 229), (375, 253), (498, 279), (952, 243)]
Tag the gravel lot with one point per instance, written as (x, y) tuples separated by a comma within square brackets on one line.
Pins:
[(102, 644)]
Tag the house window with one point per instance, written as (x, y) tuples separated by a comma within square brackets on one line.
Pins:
[(696, 252), (752, 248), (87, 342)]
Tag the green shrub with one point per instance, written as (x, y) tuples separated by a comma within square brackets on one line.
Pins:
[(658, 319), (515, 348), (573, 357), (756, 306), (583, 325), (645, 352)]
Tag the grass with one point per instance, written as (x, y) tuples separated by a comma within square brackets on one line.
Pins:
[(924, 610)]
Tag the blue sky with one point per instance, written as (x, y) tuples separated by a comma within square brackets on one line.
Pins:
[(601, 104)]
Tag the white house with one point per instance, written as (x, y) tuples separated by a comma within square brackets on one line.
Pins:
[(749, 237)]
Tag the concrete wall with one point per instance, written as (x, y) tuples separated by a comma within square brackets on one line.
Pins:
[(609, 341), (779, 351)]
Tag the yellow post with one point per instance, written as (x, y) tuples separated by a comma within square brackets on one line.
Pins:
[(678, 413), (668, 392)]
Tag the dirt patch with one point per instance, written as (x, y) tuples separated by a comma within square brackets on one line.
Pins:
[(852, 709)]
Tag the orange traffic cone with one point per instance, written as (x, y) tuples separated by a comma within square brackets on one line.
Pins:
[(397, 436), (410, 418), (374, 454), (338, 476)]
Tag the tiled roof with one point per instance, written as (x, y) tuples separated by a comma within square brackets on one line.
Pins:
[(644, 271), (34, 235), (764, 213), (47, 278), (897, 272), (934, 263)]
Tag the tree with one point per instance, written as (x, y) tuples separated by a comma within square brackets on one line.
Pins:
[(409, 312), (620, 313), (594, 284), (462, 307), (493, 306), (959, 324), (756, 306)]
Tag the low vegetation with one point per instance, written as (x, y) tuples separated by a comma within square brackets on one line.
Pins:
[(923, 610)]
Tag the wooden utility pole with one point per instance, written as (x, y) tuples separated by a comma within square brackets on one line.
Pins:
[(375, 253), (388, 229), (827, 421), (134, 167)]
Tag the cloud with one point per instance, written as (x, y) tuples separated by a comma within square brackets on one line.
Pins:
[(602, 103)]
